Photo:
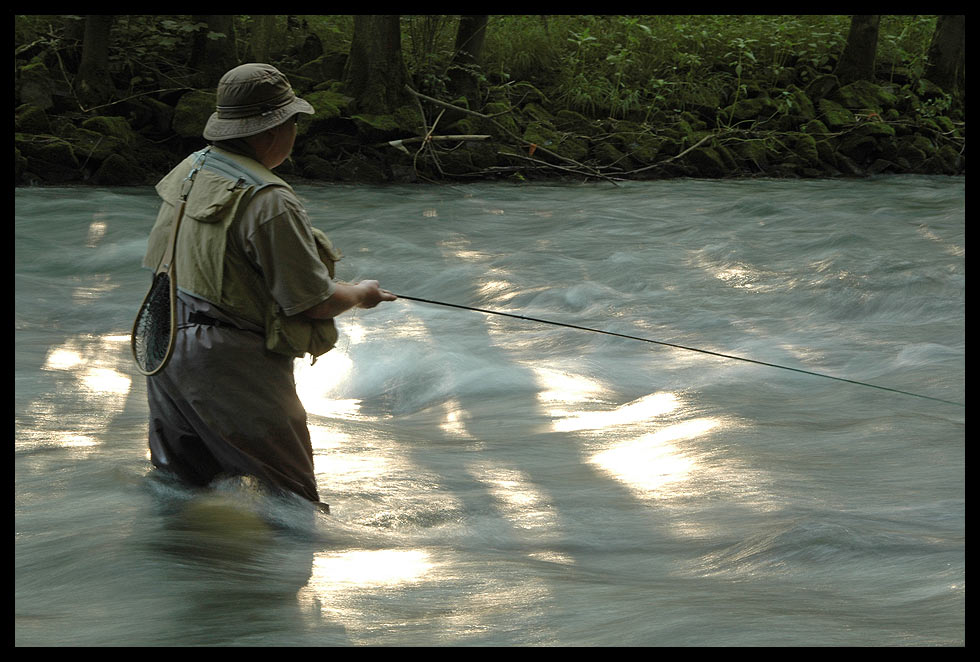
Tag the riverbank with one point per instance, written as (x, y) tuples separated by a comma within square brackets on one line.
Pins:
[(806, 124)]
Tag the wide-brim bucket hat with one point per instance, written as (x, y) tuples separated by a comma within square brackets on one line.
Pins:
[(252, 98)]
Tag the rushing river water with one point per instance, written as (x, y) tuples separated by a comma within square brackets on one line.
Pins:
[(504, 482)]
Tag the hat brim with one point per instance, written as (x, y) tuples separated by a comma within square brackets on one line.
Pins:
[(226, 129)]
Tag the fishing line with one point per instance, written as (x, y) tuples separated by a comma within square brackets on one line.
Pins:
[(676, 346)]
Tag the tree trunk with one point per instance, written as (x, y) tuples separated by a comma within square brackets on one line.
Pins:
[(212, 55), (947, 54), (470, 37), (375, 73), (263, 28), (92, 83), (857, 62)]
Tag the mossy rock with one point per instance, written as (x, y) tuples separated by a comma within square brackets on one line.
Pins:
[(911, 153), (569, 120), (707, 162), (563, 144), (681, 131), (799, 103), (47, 148), (50, 158), (113, 127), (468, 158), (33, 86), (926, 90), (670, 147), (865, 95), (404, 122), (329, 66), (192, 113), (876, 130), (752, 151), (524, 93), (881, 166), (29, 118), (118, 170), (727, 158), (92, 145), (748, 109), (409, 120), (503, 127), (822, 86), (815, 128), (376, 128), (945, 124), (20, 166), (834, 115), (328, 103), (315, 167), (608, 155), (327, 106), (826, 151), (859, 148), (951, 158), (363, 170), (634, 139), (804, 147), (535, 112)]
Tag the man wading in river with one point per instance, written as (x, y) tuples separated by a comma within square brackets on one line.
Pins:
[(256, 290)]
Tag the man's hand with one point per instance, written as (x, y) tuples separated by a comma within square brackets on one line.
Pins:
[(365, 294)]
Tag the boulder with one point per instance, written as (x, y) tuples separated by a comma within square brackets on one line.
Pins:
[(118, 170), (33, 86), (192, 113), (29, 118), (706, 161), (834, 115), (866, 96)]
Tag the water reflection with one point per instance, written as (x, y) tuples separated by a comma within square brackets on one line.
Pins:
[(454, 421), (653, 462), (358, 570), (96, 230), (521, 502), (953, 249), (637, 411), (561, 386), (91, 374), (92, 288), (337, 461), (343, 585), (315, 382)]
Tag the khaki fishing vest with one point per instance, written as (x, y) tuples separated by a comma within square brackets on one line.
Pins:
[(210, 267)]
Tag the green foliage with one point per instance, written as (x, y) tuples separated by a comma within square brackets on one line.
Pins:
[(622, 66), (626, 66), (152, 50), (427, 48), (903, 42)]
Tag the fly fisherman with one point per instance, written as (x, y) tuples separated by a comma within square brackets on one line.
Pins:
[(256, 290)]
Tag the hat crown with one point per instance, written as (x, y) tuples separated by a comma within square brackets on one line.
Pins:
[(252, 98), (252, 90)]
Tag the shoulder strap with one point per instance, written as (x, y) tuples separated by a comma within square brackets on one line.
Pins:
[(246, 172)]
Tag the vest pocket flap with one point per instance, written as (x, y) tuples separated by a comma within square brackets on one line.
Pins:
[(212, 196)]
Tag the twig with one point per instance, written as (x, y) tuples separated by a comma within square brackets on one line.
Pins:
[(589, 172), (399, 144), (665, 161), (555, 165)]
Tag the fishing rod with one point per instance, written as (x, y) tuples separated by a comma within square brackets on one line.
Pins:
[(676, 346)]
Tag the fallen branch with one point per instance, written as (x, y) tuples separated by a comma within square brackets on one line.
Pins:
[(666, 161), (554, 165), (400, 144), (584, 170)]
